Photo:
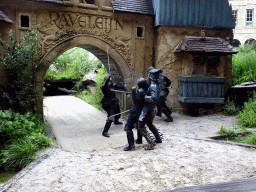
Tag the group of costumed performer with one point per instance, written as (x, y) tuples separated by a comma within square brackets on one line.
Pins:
[(142, 112)]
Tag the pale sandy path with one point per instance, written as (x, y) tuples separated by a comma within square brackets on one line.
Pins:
[(78, 126)]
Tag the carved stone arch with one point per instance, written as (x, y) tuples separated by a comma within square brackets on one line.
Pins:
[(121, 69), (95, 46)]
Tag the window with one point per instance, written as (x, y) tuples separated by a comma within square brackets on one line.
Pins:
[(205, 65), (249, 18), (24, 21), (87, 1), (234, 14), (140, 31)]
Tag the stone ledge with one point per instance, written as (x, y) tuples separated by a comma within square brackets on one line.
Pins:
[(88, 6)]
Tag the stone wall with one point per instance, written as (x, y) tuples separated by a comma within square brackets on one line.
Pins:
[(243, 32), (93, 27)]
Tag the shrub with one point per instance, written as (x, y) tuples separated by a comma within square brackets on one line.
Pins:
[(15, 125), (244, 64), (72, 64), (21, 62), (230, 109), (247, 116), (21, 137), (19, 154)]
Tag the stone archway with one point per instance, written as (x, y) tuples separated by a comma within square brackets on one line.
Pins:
[(236, 43), (250, 41), (120, 70)]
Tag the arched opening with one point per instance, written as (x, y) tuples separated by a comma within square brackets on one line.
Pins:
[(75, 72), (236, 43), (108, 55), (250, 41)]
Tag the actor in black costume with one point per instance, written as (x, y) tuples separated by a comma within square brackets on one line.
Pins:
[(149, 111), (135, 110), (110, 103), (164, 83)]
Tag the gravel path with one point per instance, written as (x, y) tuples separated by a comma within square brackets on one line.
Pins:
[(181, 160)]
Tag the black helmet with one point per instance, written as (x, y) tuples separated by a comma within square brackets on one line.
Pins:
[(150, 68), (142, 83), (154, 74), (105, 78)]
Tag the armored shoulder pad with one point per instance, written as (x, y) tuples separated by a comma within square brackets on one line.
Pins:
[(141, 91), (153, 86)]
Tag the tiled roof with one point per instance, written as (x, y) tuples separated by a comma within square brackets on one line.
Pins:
[(48, 1), (205, 44), (4, 17), (134, 6)]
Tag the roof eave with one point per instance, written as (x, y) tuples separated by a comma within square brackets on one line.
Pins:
[(131, 12), (5, 18), (58, 2), (205, 51)]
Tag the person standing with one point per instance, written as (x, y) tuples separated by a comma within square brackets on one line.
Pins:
[(135, 110), (164, 84), (149, 111), (110, 103)]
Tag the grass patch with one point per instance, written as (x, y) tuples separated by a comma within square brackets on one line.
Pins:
[(247, 116), (231, 109), (90, 98), (6, 175), (227, 132), (239, 135), (22, 136), (244, 64), (248, 139)]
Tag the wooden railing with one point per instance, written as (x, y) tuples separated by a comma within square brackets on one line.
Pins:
[(201, 89)]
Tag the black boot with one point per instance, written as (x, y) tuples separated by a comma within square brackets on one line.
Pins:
[(105, 134), (155, 132), (159, 112), (130, 137), (106, 128), (139, 137), (146, 135), (168, 115), (129, 148), (118, 122)]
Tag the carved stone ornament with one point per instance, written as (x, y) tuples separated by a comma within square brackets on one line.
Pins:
[(52, 38)]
